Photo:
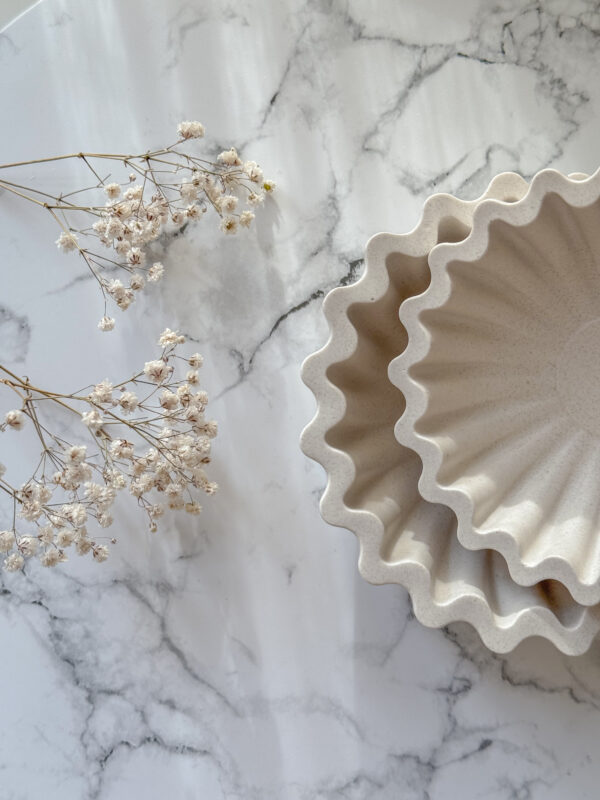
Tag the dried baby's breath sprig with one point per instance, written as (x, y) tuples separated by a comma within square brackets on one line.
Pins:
[(147, 435), (160, 190)]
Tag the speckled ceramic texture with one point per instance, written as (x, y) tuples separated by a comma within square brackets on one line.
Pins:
[(502, 382), (372, 486)]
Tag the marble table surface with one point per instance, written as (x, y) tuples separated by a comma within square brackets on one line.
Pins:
[(240, 655)]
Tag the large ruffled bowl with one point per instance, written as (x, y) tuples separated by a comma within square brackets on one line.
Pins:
[(372, 480), (502, 382)]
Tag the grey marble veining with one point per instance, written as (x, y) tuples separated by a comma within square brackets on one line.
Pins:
[(240, 656)]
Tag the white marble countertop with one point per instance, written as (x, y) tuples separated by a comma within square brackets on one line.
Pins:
[(240, 655)]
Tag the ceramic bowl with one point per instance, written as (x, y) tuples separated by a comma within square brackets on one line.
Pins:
[(372, 480), (502, 382)]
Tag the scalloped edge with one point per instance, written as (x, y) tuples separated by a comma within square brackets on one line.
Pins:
[(576, 189), (499, 634)]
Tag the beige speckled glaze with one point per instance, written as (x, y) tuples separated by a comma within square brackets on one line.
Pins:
[(502, 382), (372, 479)]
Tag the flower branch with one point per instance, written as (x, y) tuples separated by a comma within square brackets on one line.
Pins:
[(163, 190), (147, 434)]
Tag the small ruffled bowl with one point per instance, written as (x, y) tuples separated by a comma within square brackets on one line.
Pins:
[(502, 382)]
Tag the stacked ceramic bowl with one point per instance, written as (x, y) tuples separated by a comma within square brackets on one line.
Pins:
[(458, 411)]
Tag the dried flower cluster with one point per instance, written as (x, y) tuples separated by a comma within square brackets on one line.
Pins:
[(147, 436), (162, 190)]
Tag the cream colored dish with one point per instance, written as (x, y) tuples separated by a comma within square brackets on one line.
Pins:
[(502, 382), (372, 480)]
